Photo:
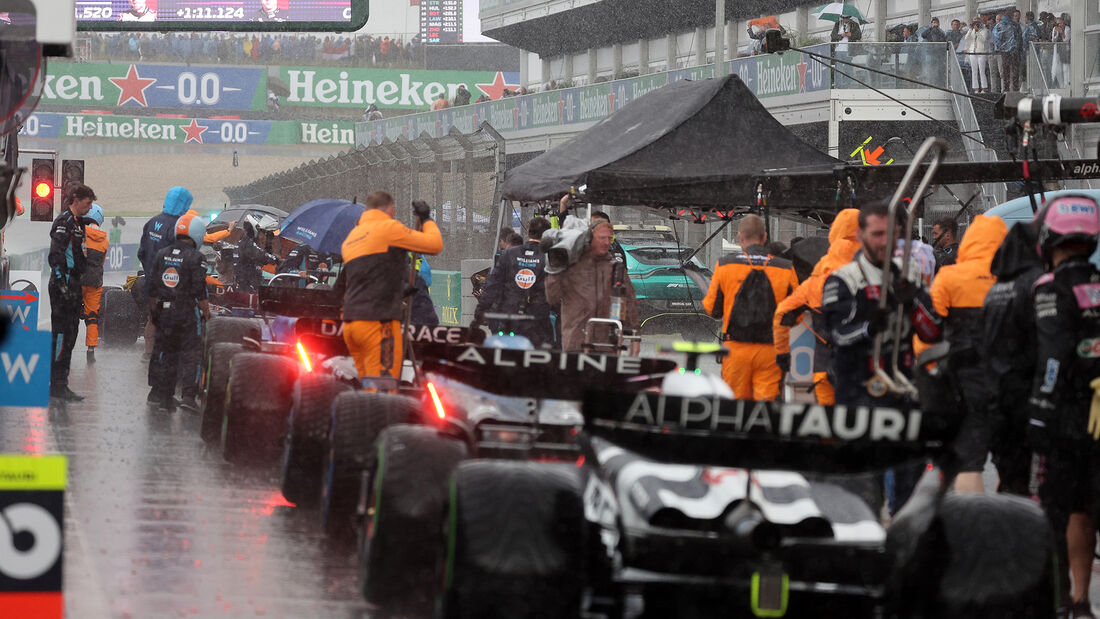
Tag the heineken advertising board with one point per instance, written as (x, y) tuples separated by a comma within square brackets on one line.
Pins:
[(387, 88), (188, 130), (138, 85), (790, 73)]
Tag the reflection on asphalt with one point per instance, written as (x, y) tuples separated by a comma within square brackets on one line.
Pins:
[(158, 525)]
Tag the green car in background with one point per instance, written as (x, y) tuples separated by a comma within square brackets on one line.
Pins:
[(670, 297)]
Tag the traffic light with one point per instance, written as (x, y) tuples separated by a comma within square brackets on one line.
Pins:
[(42, 189), (72, 174)]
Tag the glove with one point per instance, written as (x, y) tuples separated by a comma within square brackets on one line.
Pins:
[(422, 210), (878, 320), (1094, 410), (783, 360)]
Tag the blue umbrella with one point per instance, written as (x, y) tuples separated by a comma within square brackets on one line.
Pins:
[(322, 224)]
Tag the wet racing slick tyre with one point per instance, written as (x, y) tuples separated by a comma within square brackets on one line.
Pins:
[(215, 379), (983, 556), (230, 330), (120, 319), (257, 404), (358, 418), (307, 430), (401, 544), (516, 541)]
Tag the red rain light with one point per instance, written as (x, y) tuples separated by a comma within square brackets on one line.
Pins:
[(435, 401), (304, 356)]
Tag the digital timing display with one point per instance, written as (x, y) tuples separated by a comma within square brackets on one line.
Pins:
[(441, 21), (145, 11)]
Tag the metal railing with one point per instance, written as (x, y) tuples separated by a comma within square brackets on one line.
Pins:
[(458, 174), (992, 193), (927, 62)]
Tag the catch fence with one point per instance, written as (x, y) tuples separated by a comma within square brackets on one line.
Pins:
[(458, 174)]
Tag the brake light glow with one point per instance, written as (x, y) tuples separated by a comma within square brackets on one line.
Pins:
[(435, 401), (304, 357)]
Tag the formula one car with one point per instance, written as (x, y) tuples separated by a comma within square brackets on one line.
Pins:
[(479, 403)]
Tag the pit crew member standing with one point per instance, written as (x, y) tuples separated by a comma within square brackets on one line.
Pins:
[(850, 304), (745, 291), (251, 259), (958, 294), (177, 300), (843, 244), (1065, 397), (66, 260), (1008, 354), (585, 289), (158, 233), (92, 283), (518, 286), (373, 281)]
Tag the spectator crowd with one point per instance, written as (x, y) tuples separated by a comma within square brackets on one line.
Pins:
[(261, 48)]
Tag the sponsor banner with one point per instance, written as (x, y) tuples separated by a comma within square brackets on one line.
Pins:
[(790, 73), (187, 130), (387, 88), (83, 84)]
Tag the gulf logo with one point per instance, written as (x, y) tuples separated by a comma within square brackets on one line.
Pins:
[(525, 278), (171, 277)]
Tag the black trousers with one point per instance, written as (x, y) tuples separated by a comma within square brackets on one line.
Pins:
[(177, 335), (66, 311)]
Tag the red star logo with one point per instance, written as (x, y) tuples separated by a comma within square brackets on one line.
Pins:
[(132, 87), (194, 132), (496, 90), (802, 66)]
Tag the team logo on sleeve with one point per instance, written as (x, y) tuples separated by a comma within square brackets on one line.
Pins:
[(525, 278), (171, 277)]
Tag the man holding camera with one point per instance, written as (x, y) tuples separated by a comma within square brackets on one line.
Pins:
[(590, 288), (373, 283)]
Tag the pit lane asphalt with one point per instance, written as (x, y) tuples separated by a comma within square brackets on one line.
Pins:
[(158, 525)]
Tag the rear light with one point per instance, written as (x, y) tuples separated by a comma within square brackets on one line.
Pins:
[(304, 356), (435, 401)]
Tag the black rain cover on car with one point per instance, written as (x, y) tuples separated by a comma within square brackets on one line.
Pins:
[(687, 144)]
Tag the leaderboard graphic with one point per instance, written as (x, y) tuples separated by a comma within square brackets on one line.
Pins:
[(214, 10), (441, 21)]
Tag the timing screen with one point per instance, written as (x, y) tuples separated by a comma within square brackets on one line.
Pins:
[(213, 10)]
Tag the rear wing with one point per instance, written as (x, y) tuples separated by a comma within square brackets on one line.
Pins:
[(710, 431), (301, 302), (543, 374)]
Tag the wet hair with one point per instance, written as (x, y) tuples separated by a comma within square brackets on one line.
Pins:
[(537, 226), (878, 208), (505, 232), (514, 240), (80, 192), (948, 224), (751, 227), (777, 248), (601, 215), (378, 199)]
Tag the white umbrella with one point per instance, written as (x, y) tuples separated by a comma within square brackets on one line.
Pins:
[(835, 10)]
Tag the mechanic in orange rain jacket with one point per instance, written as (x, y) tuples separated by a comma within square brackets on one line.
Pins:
[(843, 245), (745, 290), (958, 294), (91, 283), (373, 282)]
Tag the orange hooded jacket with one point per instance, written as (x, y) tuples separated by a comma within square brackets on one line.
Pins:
[(843, 245), (959, 290)]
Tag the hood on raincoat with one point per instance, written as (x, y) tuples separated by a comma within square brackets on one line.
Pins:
[(843, 242), (982, 239), (177, 201), (1017, 254)]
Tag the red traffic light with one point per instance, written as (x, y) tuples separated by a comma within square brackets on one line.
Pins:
[(42, 189)]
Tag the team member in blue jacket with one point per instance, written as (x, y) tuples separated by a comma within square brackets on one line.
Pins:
[(160, 232)]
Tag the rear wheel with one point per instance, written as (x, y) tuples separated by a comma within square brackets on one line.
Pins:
[(307, 429), (401, 537), (358, 418), (257, 406), (516, 541), (120, 318), (230, 330), (215, 380)]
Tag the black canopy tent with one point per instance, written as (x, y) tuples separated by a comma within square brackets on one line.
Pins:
[(692, 144)]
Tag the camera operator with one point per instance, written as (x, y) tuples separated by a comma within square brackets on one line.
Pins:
[(585, 290)]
